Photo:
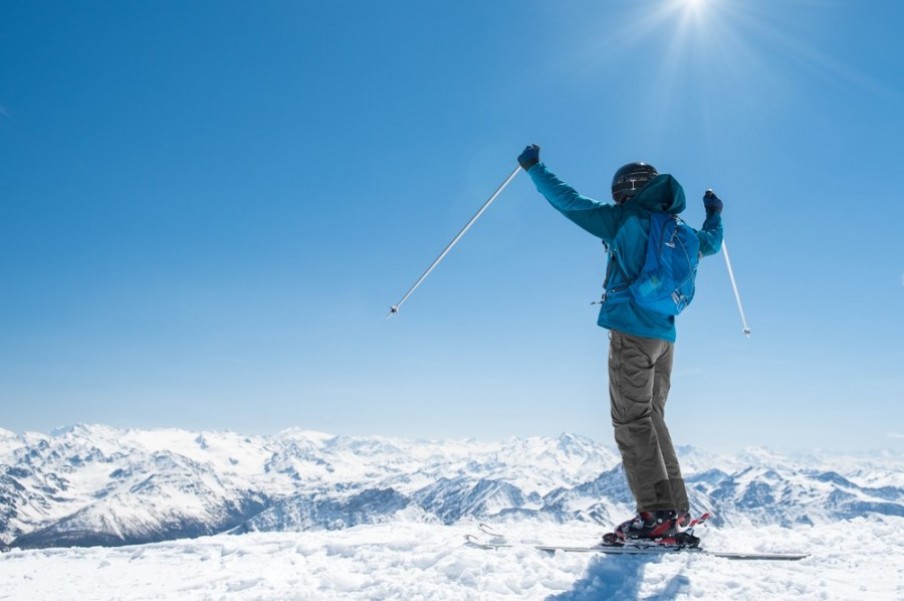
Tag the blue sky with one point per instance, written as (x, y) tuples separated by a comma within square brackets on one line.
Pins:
[(207, 209)]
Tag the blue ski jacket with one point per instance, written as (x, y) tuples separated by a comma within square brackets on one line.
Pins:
[(625, 230)]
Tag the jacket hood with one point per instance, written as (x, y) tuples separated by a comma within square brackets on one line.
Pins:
[(662, 193)]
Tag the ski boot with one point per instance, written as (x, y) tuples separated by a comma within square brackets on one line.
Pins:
[(662, 528), (646, 526)]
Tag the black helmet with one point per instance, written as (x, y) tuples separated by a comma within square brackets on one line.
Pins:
[(629, 179)]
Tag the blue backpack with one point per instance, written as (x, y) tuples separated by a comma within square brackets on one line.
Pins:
[(666, 281)]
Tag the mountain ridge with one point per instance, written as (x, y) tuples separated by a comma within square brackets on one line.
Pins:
[(89, 485)]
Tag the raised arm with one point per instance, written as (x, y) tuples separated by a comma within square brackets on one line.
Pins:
[(597, 218)]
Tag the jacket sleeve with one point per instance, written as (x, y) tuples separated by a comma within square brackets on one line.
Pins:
[(598, 218), (711, 234)]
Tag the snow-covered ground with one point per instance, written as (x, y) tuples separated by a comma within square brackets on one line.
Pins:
[(333, 517), (862, 559)]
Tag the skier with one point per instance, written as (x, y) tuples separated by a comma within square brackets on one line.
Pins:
[(641, 341)]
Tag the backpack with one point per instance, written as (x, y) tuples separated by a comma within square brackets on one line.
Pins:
[(666, 281)]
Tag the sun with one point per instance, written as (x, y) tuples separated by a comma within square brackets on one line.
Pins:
[(713, 58), (693, 6)]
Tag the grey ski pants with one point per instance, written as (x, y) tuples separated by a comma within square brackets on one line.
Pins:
[(639, 380)]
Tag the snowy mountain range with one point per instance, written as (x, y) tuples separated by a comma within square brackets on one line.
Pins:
[(96, 485)]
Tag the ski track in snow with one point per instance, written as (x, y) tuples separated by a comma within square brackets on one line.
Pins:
[(858, 560)]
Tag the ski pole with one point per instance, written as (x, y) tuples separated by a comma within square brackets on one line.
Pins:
[(395, 308), (734, 286)]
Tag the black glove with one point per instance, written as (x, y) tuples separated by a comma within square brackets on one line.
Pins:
[(530, 157), (711, 202)]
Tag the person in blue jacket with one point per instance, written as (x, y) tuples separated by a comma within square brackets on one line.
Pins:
[(641, 341)]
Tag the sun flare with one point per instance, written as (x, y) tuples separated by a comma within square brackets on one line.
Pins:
[(694, 7), (713, 58)]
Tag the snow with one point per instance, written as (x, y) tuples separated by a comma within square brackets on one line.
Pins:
[(862, 559), (9, 441), (405, 507)]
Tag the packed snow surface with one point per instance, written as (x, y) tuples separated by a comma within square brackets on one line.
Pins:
[(858, 560)]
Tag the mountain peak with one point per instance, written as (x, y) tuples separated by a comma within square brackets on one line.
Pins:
[(312, 436), (93, 484)]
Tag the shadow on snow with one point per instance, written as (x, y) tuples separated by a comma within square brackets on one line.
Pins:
[(621, 579)]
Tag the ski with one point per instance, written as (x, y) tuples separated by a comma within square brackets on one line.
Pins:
[(653, 549), (668, 549), (498, 541), (488, 530)]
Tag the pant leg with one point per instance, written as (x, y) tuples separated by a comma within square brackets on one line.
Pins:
[(632, 362), (661, 385)]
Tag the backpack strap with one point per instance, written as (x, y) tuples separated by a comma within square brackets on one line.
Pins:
[(612, 263)]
